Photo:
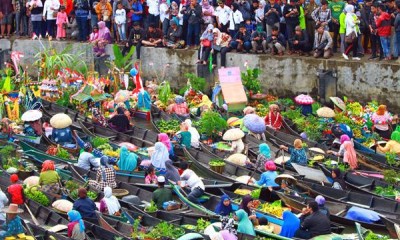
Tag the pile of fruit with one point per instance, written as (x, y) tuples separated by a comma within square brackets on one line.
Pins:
[(274, 208), (107, 149), (169, 127)]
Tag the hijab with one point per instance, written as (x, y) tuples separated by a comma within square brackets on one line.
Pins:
[(103, 30), (75, 216), (245, 201), (244, 224), (174, 8), (223, 210), (111, 201), (350, 155), (160, 155), (171, 172), (127, 160), (195, 136), (265, 150), (290, 224), (344, 138), (163, 137), (207, 34), (48, 165)]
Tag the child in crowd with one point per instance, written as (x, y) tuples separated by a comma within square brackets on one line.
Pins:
[(62, 23), (120, 20)]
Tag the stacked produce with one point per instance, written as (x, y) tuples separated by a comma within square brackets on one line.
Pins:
[(274, 208)]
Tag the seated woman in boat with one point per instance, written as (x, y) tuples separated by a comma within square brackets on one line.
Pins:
[(264, 155), (382, 120), (267, 178), (15, 191), (109, 204), (224, 207), (297, 153), (127, 160), (105, 176), (164, 139), (33, 128), (392, 146), (184, 137), (180, 107), (150, 176), (321, 205), (338, 181), (288, 190), (313, 222), (87, 160), (171, 173), (161, 194), (273, 119), (119, 122), (76, 226), (159, 157), (194, 134), (84, 205), (291, 223), (244, 224), (97, 117), (246, 204), (347, 151), (49, 178), (193, 182), (13, 225)]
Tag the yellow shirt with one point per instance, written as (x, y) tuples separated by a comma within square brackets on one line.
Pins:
[(391, 146)]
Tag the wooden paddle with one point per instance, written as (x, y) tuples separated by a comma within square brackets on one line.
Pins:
[(35, 221)]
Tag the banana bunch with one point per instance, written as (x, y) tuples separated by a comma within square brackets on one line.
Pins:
[(111, 153), (357, 133), (242, 191), (271, 209)]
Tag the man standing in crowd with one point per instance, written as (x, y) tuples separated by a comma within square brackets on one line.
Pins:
[(222, 14), (291, 14), (336, 7), (375, 40), (322, 15), (272, 17)]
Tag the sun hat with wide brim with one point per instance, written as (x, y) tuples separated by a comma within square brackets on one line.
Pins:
[(233, 121), (326, 112), (338, 103), (237, 158), (31, 115), (254, 123), (12, 208), (60, 120), (289, 178), (233, 134), (303, 99)]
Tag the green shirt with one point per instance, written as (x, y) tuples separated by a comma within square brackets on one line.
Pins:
[(342, 23), (336, 9), (185, 139), (48, 177), (302, 19), (162, 195)]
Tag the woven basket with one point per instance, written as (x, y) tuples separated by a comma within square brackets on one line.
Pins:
[(120, 192)]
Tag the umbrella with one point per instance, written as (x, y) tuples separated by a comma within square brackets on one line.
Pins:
[(233, 134), (60, 120), (31, 115), (326, 112), (289, 178), (254, 123), (338, 103), (281, 160), (304, 99), (233, 121)]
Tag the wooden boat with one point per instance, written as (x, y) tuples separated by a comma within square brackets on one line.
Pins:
[(389, 208), (75, 150), (337, 211)]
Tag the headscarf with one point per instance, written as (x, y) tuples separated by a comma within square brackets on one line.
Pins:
[(344, 138), (350, 155), (120, 110), (270, 166), (127, 160), (265, 150), (207, 34), (320, 200), (163, 137), (205, 4), (248, 110), (298, 144), (111, 201), (174, 8), (103, 30), (223, 210), (160, 155), (171, 172), (195, 136), (75, 216), (14, 178), (381, 110), (48, 165), (290, 225), (349, 9), (245, 201), (337, 172), (87, 147), (175, 21), (179, 99), (244, 224), (104, 161)]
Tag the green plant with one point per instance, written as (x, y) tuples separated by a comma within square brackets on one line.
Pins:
[(372, 236), (151, 208), (195, 82), (389, 191), (122, 62), (5, 152), (62, 153), (71, 185), (201, 225), (164, 92), (34, 194), (293, 114), (255, 194), (211, 123), (315, 106), (216, 163), (250, 79), (391, 159), (98, 141), (390, 176), (170, 126)]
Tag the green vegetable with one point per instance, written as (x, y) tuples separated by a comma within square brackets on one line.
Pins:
[(389, 191), (71, 185), (151, 208), (373, 236), (171, 126), (211, 123), (104, 146), (92, 195), (166, 230), (255, 194), (201, 225), (216, 163), (62, 153), (6, 151), (98, 141), (164, 92), (34, 194), (250, 80)]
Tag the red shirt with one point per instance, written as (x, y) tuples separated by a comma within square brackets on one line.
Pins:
[(273, 120), (16, 193), (180, 109)]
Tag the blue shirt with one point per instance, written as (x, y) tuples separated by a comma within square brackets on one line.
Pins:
[(13, 227), (86, 207), (267, 179), (137, 7), (298, 156)]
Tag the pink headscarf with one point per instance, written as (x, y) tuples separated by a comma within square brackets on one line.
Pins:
[(270, 166), (103, 30), (344, 138), (164, 139), (350, 155)]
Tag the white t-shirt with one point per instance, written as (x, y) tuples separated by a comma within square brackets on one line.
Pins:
[(163, 9), (120, 16), (49, 7), (235, 18), (223, 14), (153, 7), (192, 180)]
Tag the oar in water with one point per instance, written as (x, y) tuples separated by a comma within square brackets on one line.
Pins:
[(35, 221)]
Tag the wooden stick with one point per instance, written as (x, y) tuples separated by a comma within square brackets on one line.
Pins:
[(35, 221)]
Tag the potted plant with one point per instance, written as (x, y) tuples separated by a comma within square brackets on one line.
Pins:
[(217, 165), (211, 124), (250, 80)]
